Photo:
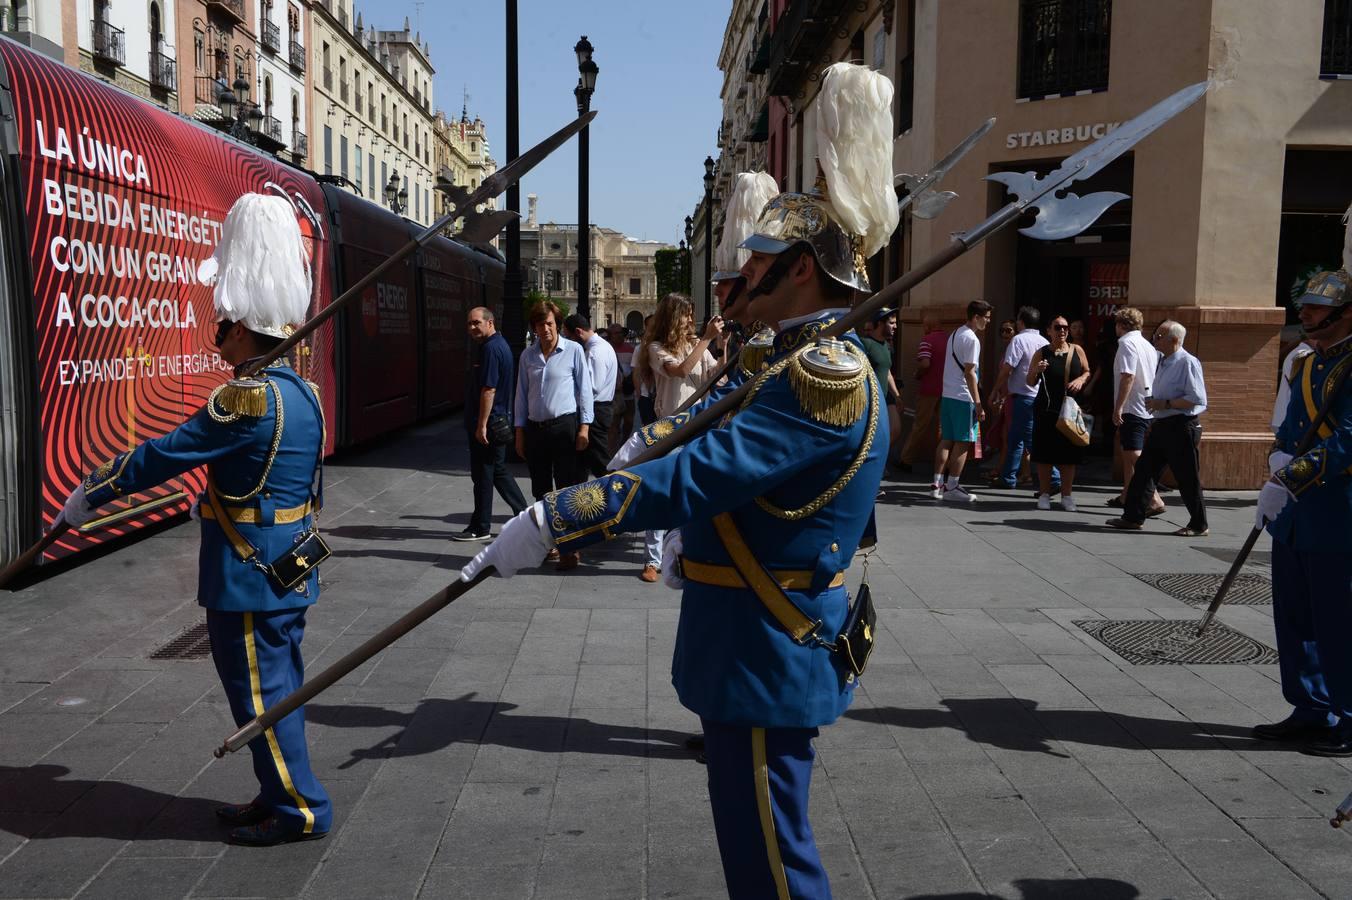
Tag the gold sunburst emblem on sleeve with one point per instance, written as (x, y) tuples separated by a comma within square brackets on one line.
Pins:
[(587, 501)]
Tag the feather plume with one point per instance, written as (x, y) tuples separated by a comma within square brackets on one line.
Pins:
[(260, 268), (750, 192), (1347, 240), (854, 147)]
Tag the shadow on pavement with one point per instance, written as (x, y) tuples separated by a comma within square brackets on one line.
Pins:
[(36, 803), (1051, 889), (1013, 724), (438, 723)]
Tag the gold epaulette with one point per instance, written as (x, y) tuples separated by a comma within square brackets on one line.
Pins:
[(830, 380), (241, 397)]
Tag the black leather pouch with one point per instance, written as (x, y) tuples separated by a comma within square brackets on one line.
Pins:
[(295, 564), (500, 431), (855, 643)]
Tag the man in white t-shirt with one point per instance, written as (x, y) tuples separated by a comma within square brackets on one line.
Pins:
[(1133, 376), (1012, 383), (960, 409)]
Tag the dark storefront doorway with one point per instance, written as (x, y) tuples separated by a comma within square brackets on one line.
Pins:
[(1316, 190)]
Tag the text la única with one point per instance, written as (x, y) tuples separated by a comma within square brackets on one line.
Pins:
[(94, 155)]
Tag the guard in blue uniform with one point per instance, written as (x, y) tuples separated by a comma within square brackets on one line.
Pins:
[(772, 506), (1307, 507), (262, 440)]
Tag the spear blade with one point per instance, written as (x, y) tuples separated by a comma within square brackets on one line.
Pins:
[(921, 195), (1062, 215)]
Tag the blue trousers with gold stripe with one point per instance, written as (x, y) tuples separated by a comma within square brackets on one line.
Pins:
[(758, 790), (257, 656), (1312, 615)]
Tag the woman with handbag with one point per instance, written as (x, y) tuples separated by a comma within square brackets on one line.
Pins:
[(1063, 369)]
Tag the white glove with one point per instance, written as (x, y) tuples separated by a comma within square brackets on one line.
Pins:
[(1278, 460), (1272, 499), (628, 450), (672, 545), (522, 544), (195, 511), (77, 510)]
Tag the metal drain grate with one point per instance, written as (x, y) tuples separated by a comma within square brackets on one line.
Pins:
[(1165, 642), (191, 644), (1198, 590)]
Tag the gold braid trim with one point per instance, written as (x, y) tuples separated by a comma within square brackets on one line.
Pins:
[(279, 422), (752, 359), (829, 399), (793, 515)]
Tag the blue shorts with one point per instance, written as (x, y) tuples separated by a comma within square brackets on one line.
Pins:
[(1131, 433), (957, 420)]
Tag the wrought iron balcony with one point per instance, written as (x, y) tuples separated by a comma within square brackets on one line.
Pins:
[(232, 8), (1063, 46), (272, 36), (272, 127), (110, 44), (297, 56), (163, 71), (1335, 57), (300, 144), (205, 89)]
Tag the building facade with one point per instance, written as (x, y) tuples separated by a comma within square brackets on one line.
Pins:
[(623, 269), (1231, 204), (461, 155), (283, 79), (372, 110)]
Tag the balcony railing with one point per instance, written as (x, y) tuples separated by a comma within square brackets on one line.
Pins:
[(328, 79), (272, 36), (110, 44), (1335, 57), (234, 8), (1063, 46), (272, 127), (205, 89), (297, 56), (300, 144), (163, 71)]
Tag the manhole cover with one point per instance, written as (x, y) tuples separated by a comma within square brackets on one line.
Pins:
[(1200, 590), (191, 644), (1165, 642)]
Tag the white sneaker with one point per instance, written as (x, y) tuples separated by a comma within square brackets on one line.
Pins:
[(937, 491), (958, 494), (1044, 501), (1067, 503)]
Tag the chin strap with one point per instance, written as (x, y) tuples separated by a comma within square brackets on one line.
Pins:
[(778, 269), (1334, 316)]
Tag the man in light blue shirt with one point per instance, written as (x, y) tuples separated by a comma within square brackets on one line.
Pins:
[(1177, 399), (553, 408)]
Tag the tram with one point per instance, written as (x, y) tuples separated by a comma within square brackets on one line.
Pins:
[(107, 206)]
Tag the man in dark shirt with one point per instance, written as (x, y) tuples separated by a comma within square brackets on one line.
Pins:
[(877, 339), (488, 419)]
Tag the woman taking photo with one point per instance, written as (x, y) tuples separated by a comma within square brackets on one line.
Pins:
[(678, 366), (1063, 369)]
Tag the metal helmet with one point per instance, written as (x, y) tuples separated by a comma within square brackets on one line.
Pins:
[(809, 218), (1327, 289), (851, 212)]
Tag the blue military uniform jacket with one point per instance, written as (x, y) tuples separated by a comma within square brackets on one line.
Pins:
[(1320, 519), (265, 468), (799, 483)]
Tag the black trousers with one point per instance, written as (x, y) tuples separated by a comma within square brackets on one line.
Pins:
[(593, 460), (1172, 442), (551, 455), (488, 471)]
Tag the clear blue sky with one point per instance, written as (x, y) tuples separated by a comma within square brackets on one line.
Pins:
[(657, 94)]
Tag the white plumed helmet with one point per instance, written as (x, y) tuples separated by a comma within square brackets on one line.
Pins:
[(260, 269), (750, 192)]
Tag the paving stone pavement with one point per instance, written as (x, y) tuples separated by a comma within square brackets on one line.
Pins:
[(526, 742)]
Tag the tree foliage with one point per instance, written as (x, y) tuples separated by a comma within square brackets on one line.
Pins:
[(673, 272)]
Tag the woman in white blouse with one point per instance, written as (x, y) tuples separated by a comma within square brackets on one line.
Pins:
[(679, 365)]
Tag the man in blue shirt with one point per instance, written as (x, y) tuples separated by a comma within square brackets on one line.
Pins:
[(488, 419), (1177, 398), (553, 411)]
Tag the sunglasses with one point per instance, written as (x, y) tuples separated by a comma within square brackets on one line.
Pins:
[(1060, 328), (222, 329)]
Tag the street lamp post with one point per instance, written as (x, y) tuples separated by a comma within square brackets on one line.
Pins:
[(586, 83), (396, 196), (708, 236), (242, 115), (513, 320)]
